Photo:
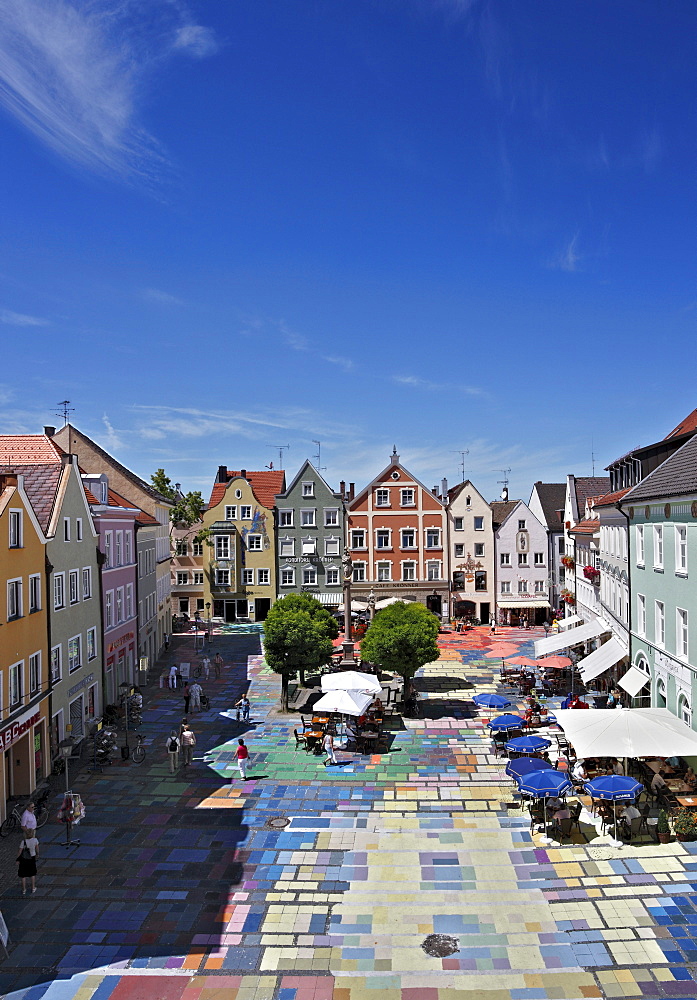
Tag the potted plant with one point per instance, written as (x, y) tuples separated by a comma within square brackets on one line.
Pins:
[(592, 574), (568, 561), (567, 597), (685, 825), (663, 827)]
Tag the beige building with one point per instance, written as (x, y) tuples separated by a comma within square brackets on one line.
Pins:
[(471, 541)]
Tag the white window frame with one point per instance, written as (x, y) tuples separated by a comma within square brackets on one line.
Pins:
[(129, 601), (78, 529), (118, 548), (505, 558), (309, 576), (108, 539), (286, 517), (383, 571), (523, 559), (434, 570), (287, 576), (658, 554), (640, 545), (539, 586), (91, 643), (332, 576), (16, 670), (413, 532), (354, 544), (308, 546), (308, 517), (382, 498), (222, 577), (181, 547), (458, 524), (332, 545), (222, 546), (74, 586), (109, 609), (359, 572), (331, 517), (538, 558), (409, 571), (378, 533), (230, 511), (248, 577), (120, 605), (182, 578), (479, 527), (255, 547), (505, 586), (286, 547), (86, 583), (245, 512), (641, 614), (196, 548), (681, 633), (66, 529), (432, 531), (263, 577), (410, 493), (482, 553), (459, 550), (58, 585), (15, 528), (34, 673), (523, 587), (34, 592), (74, 663), (659, 637), (198, 578), (681, 550), (308, 489), (15, 599)]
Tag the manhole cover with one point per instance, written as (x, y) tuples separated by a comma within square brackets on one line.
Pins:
[(440, 945), (278, 823)]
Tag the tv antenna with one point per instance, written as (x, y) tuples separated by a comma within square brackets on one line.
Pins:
[(592, 459), (281, 448), (504, 481), (318, 456), (462, 454), (65, 410)]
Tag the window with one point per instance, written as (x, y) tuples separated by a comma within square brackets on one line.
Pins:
[(109, 609), (358, 538), (505, 558), (182, 579), (58, 591), (308, 489), (480, 579), (479, 549), (118, 548), (86, 583), (505, 586), (408, 538), (56, 664), (331, 517), (231, 512), (74, 653), (382, 538), (459, 549), (119, 605), (539, 558), (358, 572), (658, 546), (522, 586), (246, 512), (78, 528), (384, 571), (91, 643), (198, 578), (459, 523), (539, 586), (73, 588), (433, 571), (287, 547), (263, 577), (66, 529), (129, 600), (382, 498), (522, 559), (309, 576), (197, 548), (684, 710), (182, 547), (248, 577), (409, 571), (254, 543), (660, 623), (16, 529), (16, 684), (432, 538), (222, 578), (285, 518), (287, 577), (479, 524), (640, 554), (34, 593), (681, 632), (468, 501), (308, 518), (222, 546), (14, 599), (309, 546), (681, 548), (332, 575), (407, 498), (107, 549), (331, 546), (521, 525)]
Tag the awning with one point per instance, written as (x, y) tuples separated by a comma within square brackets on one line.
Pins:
[(627, 732), (601, 659), (555, 642), (522, 604), (633, 681), (328, 598), (571, 620)]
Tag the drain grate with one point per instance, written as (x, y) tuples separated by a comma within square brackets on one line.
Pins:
[(440, 945), (277, 823)]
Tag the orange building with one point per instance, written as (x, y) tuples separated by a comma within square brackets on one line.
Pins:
[(397, 534)]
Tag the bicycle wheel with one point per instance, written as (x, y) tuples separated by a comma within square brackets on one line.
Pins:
[(42, 816), (10, 824), (138, 755)]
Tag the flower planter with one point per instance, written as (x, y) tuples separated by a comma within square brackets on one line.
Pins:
[(664, 838)]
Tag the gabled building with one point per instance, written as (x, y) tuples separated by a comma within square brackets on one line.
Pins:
[(240, 564), (397, 531), (547, 504), (187, 571), (522, 565), (579, 490), (310, 538), (471, 544)]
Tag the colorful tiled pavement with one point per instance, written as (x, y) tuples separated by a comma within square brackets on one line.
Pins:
[(182, 890)]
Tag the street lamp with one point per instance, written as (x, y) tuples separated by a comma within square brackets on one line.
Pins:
[(66, 750), (208, 613)]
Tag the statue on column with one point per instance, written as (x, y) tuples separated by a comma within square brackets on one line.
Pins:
[(347, 564)]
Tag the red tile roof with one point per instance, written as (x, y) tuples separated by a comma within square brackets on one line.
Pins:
[(585, 528), (610, 498), (686, 426), (91, 498), (265, 485), (117, 500), (28, 449), (40, 484)]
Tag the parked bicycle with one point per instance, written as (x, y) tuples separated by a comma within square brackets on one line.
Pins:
[(138, 751), (41, 811)]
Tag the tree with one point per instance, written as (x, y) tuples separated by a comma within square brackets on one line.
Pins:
[(188, 509), (401, 638), (298, 634)]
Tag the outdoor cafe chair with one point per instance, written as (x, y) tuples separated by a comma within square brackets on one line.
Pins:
[(632, 829), (300, 741), (562, 827), (307, 723)]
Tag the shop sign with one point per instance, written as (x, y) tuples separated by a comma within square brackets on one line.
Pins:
[(80, 684), (113, 646), (12, 733)]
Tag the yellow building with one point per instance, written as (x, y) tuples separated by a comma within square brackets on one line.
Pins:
[(24, 702), (240, 559)]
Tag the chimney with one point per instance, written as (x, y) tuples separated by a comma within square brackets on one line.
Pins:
[(434, 491), (243, 473), (67, 458), (49, 431), (222, 474), (177, 486), (444, 489), (8, 478), (352, 490), (342, 489)]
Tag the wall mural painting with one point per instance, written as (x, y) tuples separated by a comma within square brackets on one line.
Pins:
[(258, 527)]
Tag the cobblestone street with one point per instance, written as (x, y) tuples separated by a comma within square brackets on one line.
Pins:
[(182, 888)]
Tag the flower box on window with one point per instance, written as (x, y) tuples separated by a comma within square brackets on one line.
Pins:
[(592, 574), (568, 561), (567, 597)]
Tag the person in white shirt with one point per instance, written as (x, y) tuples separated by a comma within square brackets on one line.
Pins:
[(630, 812), (579, 771), (658, 783), (617, 766), (28, 821)]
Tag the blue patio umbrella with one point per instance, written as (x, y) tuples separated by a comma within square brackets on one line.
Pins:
[(614, 788), (491, 701), (524, 765), (504, 722), (528, 744), (543, 785)]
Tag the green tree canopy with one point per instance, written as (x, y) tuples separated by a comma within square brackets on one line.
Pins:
[(298, 634), (401, 638), (188, 508)]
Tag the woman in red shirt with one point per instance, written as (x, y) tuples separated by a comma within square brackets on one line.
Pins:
[(242, 757)]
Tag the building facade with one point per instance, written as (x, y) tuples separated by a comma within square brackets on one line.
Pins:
[(397, 531), (310, 538), (471, 552), (547, 504), (578, 491), (187, 571), (522, 566), (146, 528)]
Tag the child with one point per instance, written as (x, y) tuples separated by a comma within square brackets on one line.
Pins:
[(242, 756)]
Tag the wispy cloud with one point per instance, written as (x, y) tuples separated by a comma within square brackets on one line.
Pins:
[(21, 319), (111, 439), (297, 341), (344, 363), (6, 394), (72, 73), (416, 382), (569, 258), (163, 298)]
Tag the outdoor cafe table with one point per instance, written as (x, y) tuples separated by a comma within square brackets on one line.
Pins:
[(315, 736), (367, 739), (320, 720), (687, 801), (679, 787)]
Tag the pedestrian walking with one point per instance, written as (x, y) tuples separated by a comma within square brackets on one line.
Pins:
[(492, 630), (196, 692), (173, 676), (188, 742), (186, 691), (242, 756), (243, 708), (173, 745), (328, 743), (206, 663), (26, 859), (218, 665), (183, 723), (28, 821), (166, 638)]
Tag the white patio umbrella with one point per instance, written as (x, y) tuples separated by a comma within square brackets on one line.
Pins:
[(351, 680), (386, 601), (355, 606), (627, 732), (346, 702)]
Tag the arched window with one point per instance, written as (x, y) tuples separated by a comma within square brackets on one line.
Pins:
[(660, 693), (684, 710)]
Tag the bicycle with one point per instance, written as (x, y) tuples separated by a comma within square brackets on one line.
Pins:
[(138, 752), (14, 820)]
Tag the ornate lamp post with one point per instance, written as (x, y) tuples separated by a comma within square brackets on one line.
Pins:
[(348, 661), (208, 612), (371, 605)]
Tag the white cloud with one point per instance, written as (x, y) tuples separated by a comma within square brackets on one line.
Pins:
[(196, 40), (569, 258), (421, 383), (112, 440), (163, 298), (344, 363), (20, 319), (6, 394), (297, 341), (72, 72)]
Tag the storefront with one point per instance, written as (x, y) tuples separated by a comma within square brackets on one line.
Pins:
[(120, 665), (522, 612), (24, 744)]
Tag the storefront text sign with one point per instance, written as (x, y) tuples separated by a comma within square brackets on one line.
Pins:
[(120, 642), (12, 733)]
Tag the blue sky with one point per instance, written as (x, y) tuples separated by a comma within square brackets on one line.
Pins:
[(445, 224)]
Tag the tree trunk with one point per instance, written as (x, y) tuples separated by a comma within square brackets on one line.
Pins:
[(301, 675), (284, 692)]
